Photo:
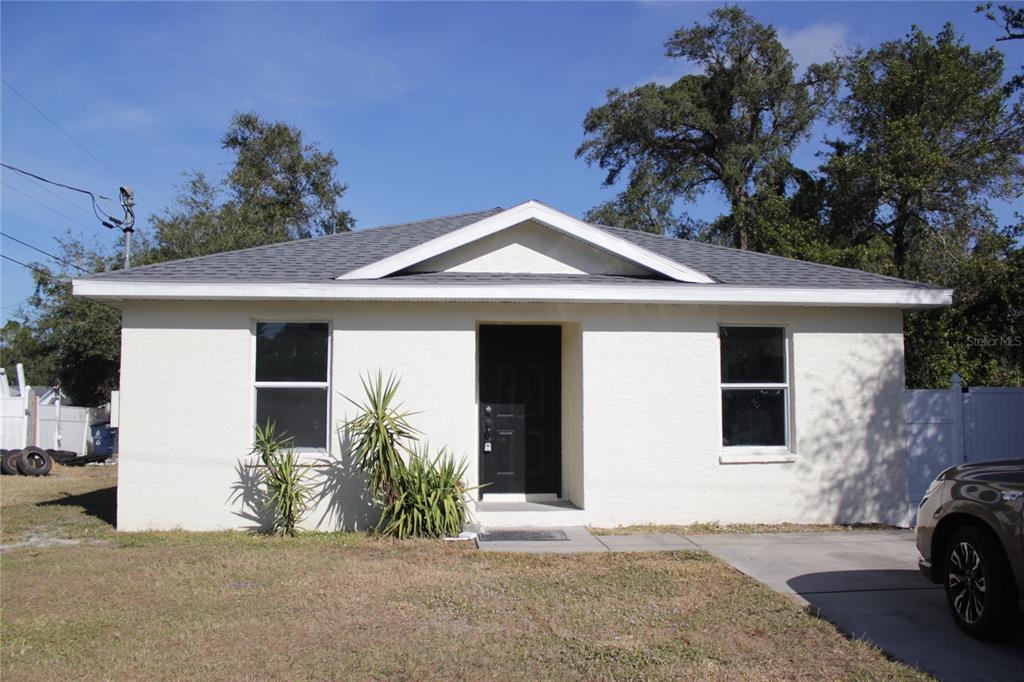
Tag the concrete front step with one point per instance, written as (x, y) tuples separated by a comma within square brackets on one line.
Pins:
[(553, 514)]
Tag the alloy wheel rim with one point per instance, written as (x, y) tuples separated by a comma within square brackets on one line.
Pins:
[(966, 581)]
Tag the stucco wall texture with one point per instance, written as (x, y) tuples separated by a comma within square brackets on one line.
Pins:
[(641, 409)]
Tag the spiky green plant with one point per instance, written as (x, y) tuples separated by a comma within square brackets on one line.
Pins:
[(431, 499), (288, 490), (268, 442), (380, 434)]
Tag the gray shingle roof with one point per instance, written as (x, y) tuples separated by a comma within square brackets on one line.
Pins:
[(325, 258), (749, 268), (302, 260)]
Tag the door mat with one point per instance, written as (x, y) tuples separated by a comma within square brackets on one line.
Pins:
[(522, 536)]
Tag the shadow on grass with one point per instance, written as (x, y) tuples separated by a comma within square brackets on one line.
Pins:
[(101, 504)]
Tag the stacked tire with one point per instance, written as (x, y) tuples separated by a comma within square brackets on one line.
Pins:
[(9, 461), (30, 461)]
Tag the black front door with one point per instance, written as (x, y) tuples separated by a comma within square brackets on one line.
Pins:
[(521, 408)]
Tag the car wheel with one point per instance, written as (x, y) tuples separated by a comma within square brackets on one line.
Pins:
[(34, 462), (979, 587), (9, 462)]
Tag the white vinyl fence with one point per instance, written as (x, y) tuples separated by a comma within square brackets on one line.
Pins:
[(63, 427), (13, 423), (954, 425), (58, 427)]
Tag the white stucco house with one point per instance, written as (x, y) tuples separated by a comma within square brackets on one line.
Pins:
[(590, 375)]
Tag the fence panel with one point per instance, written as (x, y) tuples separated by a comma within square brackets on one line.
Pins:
[(932, 431), (947, 427), (12, 423), (993, 423), (72, 428)]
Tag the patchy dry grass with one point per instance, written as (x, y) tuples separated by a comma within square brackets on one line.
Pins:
[(735, 528), (329, 606), (72, 502)]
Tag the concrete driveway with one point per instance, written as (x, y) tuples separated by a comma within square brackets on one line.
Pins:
[(867, 584)]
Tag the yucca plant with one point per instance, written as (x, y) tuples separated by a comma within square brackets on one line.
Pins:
[(380, 435), (288, 492), (431, 499), (268, 442)]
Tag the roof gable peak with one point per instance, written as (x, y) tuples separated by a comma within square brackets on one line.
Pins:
[(544, 215)]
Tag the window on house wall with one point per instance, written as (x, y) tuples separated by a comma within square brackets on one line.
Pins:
[(755, 387), (291, 383)]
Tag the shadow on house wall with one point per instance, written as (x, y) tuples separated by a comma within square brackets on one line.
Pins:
[(249, 495), (856, 459), (342, 500)]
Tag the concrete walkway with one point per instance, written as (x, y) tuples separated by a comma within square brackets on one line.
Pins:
[(580, 540)]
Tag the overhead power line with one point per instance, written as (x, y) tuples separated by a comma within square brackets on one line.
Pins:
[(30, 267), (45, 253), (50, 208), (61, 197), (101, 215), (76, 142), (44, 273), (54, 182)]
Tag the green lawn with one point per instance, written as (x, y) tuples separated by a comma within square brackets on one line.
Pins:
[(342, 606)]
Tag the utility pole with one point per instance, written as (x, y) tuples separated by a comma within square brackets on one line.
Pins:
[(126, 225), (128, 204)]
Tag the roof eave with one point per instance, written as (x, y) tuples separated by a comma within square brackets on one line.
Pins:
[(114, 291)]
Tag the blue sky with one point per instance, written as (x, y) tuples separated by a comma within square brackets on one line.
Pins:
[(430, 108)]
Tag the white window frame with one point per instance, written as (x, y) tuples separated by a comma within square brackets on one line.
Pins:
[(326, 385), (759, 454)]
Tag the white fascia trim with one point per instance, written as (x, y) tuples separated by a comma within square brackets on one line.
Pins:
[(111, 290), (530, 210)]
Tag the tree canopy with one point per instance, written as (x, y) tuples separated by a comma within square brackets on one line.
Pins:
[(729, 126), (1011, 20), (279, 188), (928, 138)]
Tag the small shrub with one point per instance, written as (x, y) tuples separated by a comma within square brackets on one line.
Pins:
[(430, 498), (288, 493)]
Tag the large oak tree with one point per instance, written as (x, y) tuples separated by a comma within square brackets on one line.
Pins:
[(729, 126)]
